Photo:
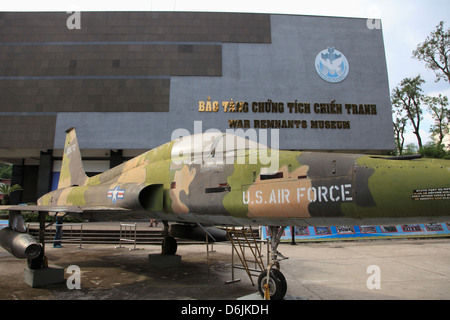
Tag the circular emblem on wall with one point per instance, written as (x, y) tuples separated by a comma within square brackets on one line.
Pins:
[(332, 65)]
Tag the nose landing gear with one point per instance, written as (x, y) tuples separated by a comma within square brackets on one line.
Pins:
[(271, 282)]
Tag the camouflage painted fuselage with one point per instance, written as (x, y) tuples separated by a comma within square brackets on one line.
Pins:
[(306, 188)]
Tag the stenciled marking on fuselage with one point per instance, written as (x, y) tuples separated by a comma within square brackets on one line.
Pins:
[(333, 193), (70, 149)]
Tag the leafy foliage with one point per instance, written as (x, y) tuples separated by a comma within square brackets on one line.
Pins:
[(435, 52), (7, 190), (433, 150), (407, 101)]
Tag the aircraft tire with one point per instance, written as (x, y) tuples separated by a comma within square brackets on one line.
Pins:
[(169, 246), (277, 284)]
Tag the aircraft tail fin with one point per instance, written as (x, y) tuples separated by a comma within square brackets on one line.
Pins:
[(72, 171)]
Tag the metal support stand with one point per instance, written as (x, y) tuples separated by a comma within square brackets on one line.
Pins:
[(41, 261), (126, 229), (38, 273)]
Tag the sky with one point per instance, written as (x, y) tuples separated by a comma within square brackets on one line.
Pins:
[(405, 24)]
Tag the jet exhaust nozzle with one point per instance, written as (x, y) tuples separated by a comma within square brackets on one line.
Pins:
[(21, 245)]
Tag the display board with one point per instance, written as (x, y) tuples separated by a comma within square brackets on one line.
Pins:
[(362, 232)]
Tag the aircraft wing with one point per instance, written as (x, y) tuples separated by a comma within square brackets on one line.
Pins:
[(68, 209)]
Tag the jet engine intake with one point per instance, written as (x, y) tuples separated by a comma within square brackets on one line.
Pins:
[(133, 196), (151, 197)]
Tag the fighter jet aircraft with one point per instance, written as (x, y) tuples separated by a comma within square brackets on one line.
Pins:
[(223, 179)]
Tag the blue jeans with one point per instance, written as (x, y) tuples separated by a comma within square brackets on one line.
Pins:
[(59, 232)]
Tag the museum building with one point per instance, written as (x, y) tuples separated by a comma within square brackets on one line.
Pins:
[(130, 81)]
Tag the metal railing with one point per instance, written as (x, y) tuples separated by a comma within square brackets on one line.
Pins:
[(65, 231)]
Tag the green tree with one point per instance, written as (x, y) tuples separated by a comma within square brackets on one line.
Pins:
[(5, 171), (399, 132), (435, 52), (438, 107), (433, 150), (7, 190), (408, 98), (410, 148)]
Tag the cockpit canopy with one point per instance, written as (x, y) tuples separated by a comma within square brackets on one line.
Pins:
[(213, 144)]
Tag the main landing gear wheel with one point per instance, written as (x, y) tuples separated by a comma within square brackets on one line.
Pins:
[(169, 246), (169, 243), (276, 282)]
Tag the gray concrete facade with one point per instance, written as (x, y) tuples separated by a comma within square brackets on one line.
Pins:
[(282, 71)]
